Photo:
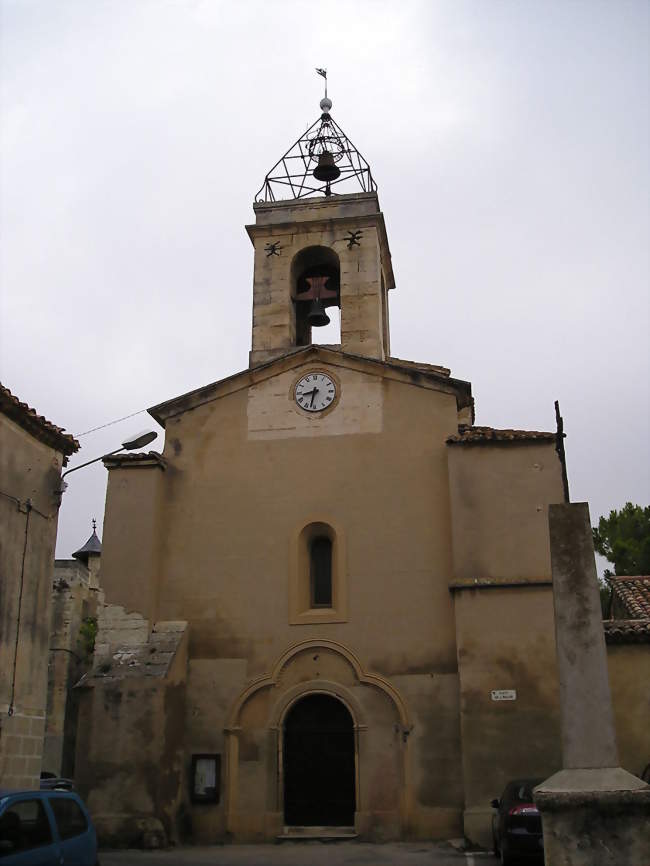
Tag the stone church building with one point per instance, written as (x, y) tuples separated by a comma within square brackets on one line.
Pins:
[(329, 598)]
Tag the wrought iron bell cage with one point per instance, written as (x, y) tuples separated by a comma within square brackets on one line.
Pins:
[(324, 148)]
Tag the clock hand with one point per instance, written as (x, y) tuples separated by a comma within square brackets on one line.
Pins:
[(313, 394), (306, 394)]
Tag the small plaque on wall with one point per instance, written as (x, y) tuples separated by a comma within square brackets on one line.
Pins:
[(206, 778), (503, 694)]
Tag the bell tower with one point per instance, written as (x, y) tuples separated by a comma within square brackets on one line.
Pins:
[(317, 248)]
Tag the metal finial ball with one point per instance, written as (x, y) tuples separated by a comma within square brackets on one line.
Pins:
[(325, 105)]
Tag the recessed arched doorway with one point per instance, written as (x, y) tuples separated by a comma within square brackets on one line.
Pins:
[(318, 763)]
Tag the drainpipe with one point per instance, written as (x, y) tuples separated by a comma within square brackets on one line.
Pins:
[(28, 509)]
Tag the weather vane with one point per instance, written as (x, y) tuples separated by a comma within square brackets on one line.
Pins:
[(323, 73)]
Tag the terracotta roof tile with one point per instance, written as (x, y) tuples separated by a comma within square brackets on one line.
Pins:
[(627, 630), (468, 435), (633, 593), (112, 461), (36, 424)]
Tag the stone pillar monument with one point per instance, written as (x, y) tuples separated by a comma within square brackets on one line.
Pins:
[(594, 813)]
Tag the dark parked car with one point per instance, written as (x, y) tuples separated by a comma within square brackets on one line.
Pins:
[(45, 828), (517, 824)]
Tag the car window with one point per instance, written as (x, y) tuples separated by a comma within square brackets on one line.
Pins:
[(24, 825), (524, 794), (523, 791), (70, 820)]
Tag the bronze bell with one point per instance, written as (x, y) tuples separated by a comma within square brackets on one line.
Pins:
[(317, 317), (326, 170)]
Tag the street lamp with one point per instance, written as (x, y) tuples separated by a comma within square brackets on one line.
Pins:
[(130, 444)]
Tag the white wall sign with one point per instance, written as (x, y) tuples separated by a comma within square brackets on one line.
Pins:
[(503, 694)]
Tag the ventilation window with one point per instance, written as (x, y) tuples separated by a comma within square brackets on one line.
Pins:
[(320, 561)]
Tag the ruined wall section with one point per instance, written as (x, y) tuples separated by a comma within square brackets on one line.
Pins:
[(130, 761)]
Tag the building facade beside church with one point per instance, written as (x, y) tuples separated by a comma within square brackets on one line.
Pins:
[(329, 598), (33, 452)]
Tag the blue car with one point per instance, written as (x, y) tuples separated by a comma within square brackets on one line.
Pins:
[(45, 828)]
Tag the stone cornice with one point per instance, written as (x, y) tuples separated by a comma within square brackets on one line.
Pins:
[(498, 582)]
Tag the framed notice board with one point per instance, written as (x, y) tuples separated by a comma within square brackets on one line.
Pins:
[(205, 778)]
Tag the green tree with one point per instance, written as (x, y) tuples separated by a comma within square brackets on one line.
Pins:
[(624, 539)]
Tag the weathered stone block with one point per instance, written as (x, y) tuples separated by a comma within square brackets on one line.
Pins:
[(33, 765), (36, 727), (594, 827)]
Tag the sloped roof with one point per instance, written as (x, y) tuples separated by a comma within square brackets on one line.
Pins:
[(633, 593), (38, 426), (92, 547), (420, 365), (423, 375), (144, 458), (627, 630), (470, 435)]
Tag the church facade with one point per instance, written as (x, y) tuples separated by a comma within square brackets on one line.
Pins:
[(329, 598)]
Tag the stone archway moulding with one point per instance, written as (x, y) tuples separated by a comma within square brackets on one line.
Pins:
[(270, 680), (316, 687)]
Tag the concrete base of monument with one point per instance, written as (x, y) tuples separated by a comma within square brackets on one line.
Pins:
[(595, 817)]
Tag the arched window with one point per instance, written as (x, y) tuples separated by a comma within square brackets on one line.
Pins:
[(320, 571), (318, 589)]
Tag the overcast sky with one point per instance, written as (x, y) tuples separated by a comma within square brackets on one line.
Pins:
[(510, 144)]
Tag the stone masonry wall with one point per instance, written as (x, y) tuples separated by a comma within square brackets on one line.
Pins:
[(21, 743), (73, 600), (118, 630), (30, 472)]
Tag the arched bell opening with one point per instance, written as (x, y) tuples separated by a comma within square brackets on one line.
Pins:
[(318, 757), (316, 286)]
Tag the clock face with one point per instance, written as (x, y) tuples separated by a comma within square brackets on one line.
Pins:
[(315, 392)]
